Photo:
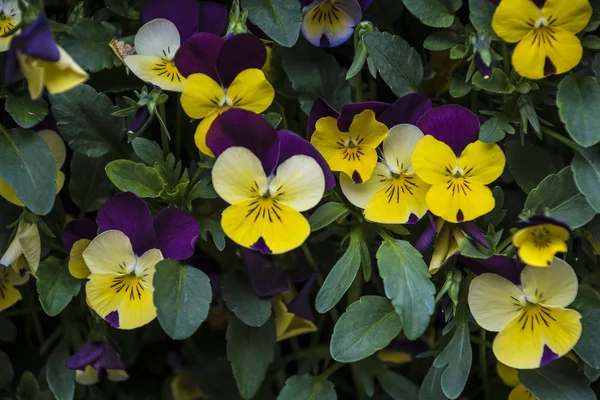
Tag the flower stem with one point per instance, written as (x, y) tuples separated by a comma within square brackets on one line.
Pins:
[(178, 127), (564, 140), (358, 87), (164, 134), (485, 379)]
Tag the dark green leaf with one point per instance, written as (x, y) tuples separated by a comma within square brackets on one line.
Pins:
[(591, 42), (84, 118), (279, 19), (27, 167), (498, 83), (273, 118), (586, 172), (88, 43), (61, 379), (182, 295), (559, 380), (431, 388), (250, 351), (529, 164), (442, 40), (368, 325), (397, 386), (559, 197), (216, 232), (326, 214), (340, 277), (138, 178), (436, 13), (6, 371), (458, 87), (89, 186), (24, 110), (495, 129), (578, 101), (588, 346), (148, 151), (55, 285), (587, 298), (243, 302), (481, 15), (407, 284), (399, 64), (307, 387)]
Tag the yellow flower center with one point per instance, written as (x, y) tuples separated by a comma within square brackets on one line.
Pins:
[(6, 23), (327, 11), (132, 280), (166, 67), (535, 316), (458, 179), (352, 149), (541, 237)]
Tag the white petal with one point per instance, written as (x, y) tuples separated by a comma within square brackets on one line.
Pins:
[(162, 73), (238, 175), (109, 253), (158, 38), (398, 147), (554, 286), (299, 183), (360, 194), (494, 301)]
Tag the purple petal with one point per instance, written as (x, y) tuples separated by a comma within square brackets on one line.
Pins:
[(547, 356), (427, 238), (484, 70), (320, 109), (266, 280), (113, 319), (292, 144), (139, 119), (504, 266), (185, 14), (540, 220), (452, 124), (176, 233), (413, 348), (12, 66), (213, 17), (300, 306), (413, 219), (36, 41), (406, 110), (86, 355), (237, 127), (109, 359), (239, 53), (78, 229), (306, 3), (261, 246), (364, 4), (471, 229), (129, 214), (350, 110), (199, 54)]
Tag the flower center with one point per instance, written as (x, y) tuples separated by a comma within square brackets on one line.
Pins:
[(6, 23), (541, 237), (352, 150), (132, 280), (541, 23), (166, 68)]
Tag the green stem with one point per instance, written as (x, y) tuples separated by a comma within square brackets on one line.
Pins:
[(358, 88), (178, 127), (485, 379), (504, 244), (330, 371), (506, 59), (317, 352), (564, 140), (474, 100), (335, 315), (164, 135), (480, 342)]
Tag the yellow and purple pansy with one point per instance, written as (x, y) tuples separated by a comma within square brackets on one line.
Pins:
[(268, 177), (222, 74), (95, 362), (530, 315), (546, 34), (456, 165), (329, 23), (10, 18), (539, 239), (119, 262)]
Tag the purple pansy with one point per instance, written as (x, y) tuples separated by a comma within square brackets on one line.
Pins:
[(507, 267), (427, 238), (99, 355)]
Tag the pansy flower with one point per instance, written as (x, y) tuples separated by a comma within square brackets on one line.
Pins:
[(268, 178), (58, 152), (444, 238), (545, 31), (222, 74), (329, 23), (10, 18), (43, 63), (510, 378), (96, 361), (456, 165), (534, 325), (9, 279), (539, 239), (121, 259), (26, 245)]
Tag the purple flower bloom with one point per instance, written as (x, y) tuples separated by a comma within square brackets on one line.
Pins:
[(139, 119), (99, 355), (451, 124), (506, 267), (266, 280)]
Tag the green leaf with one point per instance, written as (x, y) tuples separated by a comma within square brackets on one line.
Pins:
[(326, 214), (495, 129), (123, 8), (84, 118), (28, 387), (407, 284), (431, 388), (458, 87), (216, 232), (6, 371), (182, 295), (559, 198), (88, 43), (307, 387), (397, 386), (313, 74), (481, 15), (148, 151), (591, 42), (24, 110), (586, 172), (399, 64), (55, 285), (498, 83), (360, 58), (89, 186), (442, 40), (138, 178), (578, 101), (587, 298), (61, 379), (27, 167), (273, 118), (243, 302), (340, 277), (436, 13), (588, 346), (279, 19), (559, 380), (250, 351), (368, 325), (528, 164)]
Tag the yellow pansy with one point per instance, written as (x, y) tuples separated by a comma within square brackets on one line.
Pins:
[(288, 324), (90, 376), (10, 17), (539, 239)]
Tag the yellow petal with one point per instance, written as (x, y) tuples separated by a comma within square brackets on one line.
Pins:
[(299, 183), (238, 175), (394, 356), (63, 75), (109, 253), (514, 19), (482, 162), (156, 70), (89, 376), (554, 286), (116, 375), (455, 198), (494, 301), (398, 200), (507, 374), (366, 130), (201, 96), (9, 194), (539, 244), (34, 71), (9, 295), (572, 15), (521, 343), (251, 91), (520, 393), (58, 151), (77, 266), (432, 159), (287, 324), (360, 194), (281, 227), (202, 131), (26, 243)]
